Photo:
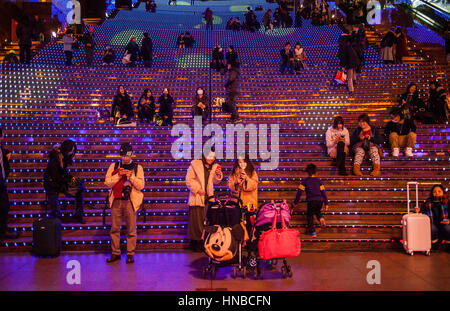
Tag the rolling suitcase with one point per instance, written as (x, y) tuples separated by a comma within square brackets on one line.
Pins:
[(47, 237), (416, 228)]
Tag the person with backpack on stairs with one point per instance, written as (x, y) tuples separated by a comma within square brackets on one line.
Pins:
[(126, 181)]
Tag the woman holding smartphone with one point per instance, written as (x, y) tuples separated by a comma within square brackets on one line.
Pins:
[(243, 182), (338, 140)]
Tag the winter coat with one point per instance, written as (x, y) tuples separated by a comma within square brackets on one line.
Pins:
[(144, 107), (165, 106), (25, 33), (285, 58), (405, 128), (348, 56), (123, 103), (88, 39), (56, 175), (138, 183), (147, 48), (376, 138), (133, 49), (330, 137), (437, 210), (248, 190), (231, 58), (233, 80), (197, 111), (195, 181), (437, 101)]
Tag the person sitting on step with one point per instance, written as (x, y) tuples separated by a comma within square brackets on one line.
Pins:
[(401, 133), (338, 141), (121, 107), (200, 105), (287, 59), (316, 197), (165, 102), (436, 207), (108, 56), (146, 106), (366, 139)]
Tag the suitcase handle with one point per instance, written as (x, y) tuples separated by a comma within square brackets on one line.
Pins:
[(417, 193)]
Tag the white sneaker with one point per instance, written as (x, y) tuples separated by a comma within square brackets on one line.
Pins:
[(395, 152), (408, 152)]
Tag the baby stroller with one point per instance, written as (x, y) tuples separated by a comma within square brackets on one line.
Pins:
[(223, 235), (264, 222)]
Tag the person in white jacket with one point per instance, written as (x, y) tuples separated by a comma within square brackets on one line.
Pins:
[(201, 177), (126, 180), (338, 140)]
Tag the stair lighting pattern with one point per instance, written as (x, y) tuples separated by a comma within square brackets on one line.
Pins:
[(45, 103)]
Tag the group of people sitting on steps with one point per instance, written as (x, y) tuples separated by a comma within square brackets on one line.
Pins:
[(399, 133)]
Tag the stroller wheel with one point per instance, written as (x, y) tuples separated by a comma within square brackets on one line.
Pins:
[(213, 272), (283, 270), (204, 272)]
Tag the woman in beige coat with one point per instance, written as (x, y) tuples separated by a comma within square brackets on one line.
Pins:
[(201, 177), (243, 182)]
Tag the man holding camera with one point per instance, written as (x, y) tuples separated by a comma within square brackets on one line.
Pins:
[(126, 180)]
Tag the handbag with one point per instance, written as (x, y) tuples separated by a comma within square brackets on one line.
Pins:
[(126, 59), (340, 77), (74, 187), (279, 243)]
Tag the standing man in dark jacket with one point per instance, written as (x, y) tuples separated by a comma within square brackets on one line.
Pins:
[(25, 34), (89, 44), (232, 87), (5, 155), (147, 50), (57, 179)]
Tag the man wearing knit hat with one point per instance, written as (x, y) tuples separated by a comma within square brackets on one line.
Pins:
[(201, 177), (126, 180)]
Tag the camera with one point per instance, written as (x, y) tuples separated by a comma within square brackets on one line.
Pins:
[(126, 191)]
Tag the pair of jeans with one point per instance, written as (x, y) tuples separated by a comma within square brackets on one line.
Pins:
[(442, 231), (52, 199), (123, 210)]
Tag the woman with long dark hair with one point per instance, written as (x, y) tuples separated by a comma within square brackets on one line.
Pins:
[(146, 106), (243, 182), (338, 141), (436, 207), (121, 107)]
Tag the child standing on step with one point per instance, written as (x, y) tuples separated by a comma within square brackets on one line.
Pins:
[(315, 198)]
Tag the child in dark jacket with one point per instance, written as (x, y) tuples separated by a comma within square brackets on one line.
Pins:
[(315, 198), (436, 207)]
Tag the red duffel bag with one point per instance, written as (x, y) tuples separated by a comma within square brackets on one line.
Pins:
[(279, 243)]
